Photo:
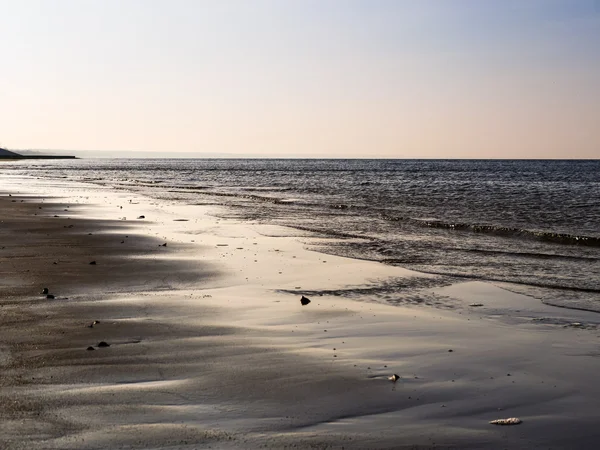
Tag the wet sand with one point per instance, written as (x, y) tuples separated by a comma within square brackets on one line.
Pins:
[(210, 346)]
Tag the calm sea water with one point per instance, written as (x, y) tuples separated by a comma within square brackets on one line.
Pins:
[(535, 224)]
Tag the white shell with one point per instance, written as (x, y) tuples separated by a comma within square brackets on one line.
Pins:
[(509, 421)]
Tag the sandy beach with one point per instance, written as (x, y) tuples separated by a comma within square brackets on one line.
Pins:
[(209, 345)]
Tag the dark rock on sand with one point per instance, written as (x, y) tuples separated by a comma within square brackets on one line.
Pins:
[(92, 263), (304, 301), (394, 378), (142, 217), (50, 297), (103, 344), (44, 291), (163, 245), (90, 348)]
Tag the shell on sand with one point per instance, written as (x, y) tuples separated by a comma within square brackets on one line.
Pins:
[(509, 421)]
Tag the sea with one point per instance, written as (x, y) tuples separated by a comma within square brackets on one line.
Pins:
[(532, 226)]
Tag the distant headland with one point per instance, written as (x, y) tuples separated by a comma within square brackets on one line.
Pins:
[(6, 154)]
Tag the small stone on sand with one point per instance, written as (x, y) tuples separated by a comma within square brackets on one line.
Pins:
[(44, 291), (509, 421), (90, 348), (92, 263), (142, 217), (103, 344), (394, 378), (305, 301), (50, 297)]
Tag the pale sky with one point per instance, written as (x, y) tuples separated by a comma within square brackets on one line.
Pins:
[(333, 78)]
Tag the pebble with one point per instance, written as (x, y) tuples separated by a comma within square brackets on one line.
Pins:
[(509, 421)]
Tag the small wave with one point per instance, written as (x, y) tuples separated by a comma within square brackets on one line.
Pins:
[(328, 232), (188, 188), (527, 254), (546, 236), (474, 276), (266, 189)]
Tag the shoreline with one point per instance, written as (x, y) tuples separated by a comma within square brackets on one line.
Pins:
[(227, 357)]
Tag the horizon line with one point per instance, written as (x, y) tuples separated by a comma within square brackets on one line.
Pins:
[(216, 155)]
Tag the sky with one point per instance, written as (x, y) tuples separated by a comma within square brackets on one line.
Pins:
[(303, 78)]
